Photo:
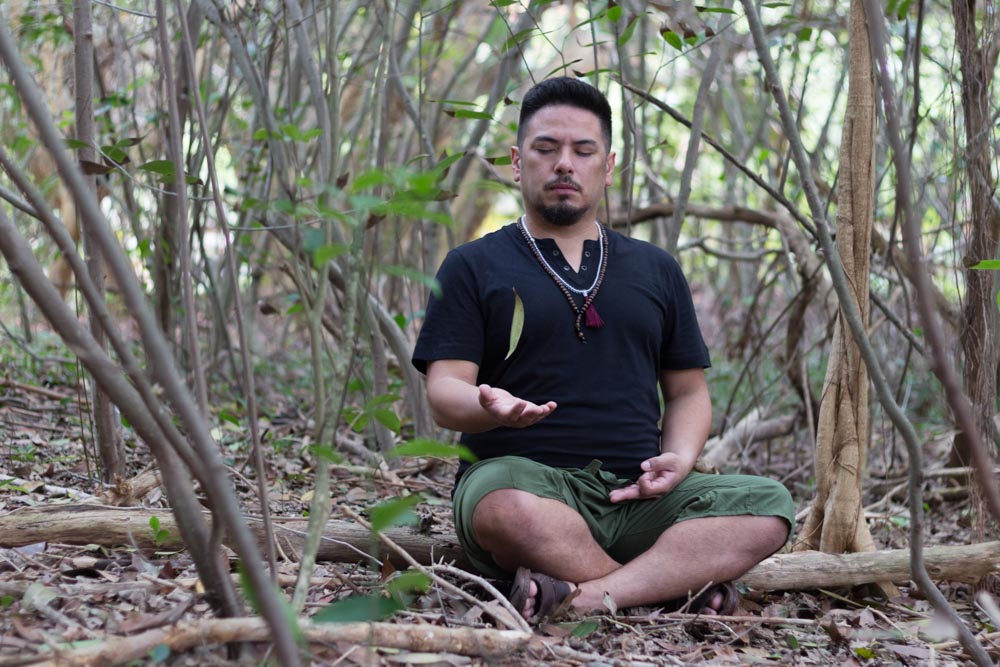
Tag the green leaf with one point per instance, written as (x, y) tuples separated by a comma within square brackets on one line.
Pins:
[(387, 418), (226, 415), (776, 5), (457, 103), (987, 264), (516, 324), (159, 653), (325, 253), (585, 628), (864, 652), (359, 608), (715, 10), (628, 31), (614, 13), (162, 167), (441, 168), (468, 113), (154, 523), (673, 39), (395, 512), (804, 35), (904, 8), (411, 581), (517, 38), (75, 143), (792, 641), (500, 161), (369, 179), (428, 447)]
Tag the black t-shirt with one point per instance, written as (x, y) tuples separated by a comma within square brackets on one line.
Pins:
[(607, 388)]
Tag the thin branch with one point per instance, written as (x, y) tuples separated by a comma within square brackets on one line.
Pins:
[(853, 319)]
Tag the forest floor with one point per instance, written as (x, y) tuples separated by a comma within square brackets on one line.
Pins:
[(58, 597)]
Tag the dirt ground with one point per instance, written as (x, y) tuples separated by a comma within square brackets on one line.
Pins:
[(56, 597)]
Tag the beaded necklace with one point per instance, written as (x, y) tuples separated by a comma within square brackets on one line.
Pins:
[(593, 320)]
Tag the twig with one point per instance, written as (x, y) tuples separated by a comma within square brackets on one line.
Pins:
[(50, 490), (853, 318), (181, 637), (520, 623), (41, 391)]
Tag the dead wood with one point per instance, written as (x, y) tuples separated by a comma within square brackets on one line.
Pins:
[(419, 638), (814, 569), (345, 541), (722, 451)]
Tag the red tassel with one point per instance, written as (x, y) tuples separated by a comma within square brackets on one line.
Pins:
[(594, 320)]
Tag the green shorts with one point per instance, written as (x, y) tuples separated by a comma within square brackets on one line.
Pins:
[(624, 530)]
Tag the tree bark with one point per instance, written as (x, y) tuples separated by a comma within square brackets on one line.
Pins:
[(345, 541), (423, 638), (835, 523), (979, 330), (105, 428)]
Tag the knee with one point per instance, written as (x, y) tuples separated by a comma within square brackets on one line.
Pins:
[(505, 516), (775, 531)]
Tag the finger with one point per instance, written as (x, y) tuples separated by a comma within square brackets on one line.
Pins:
[(630, 492), (486, 395)]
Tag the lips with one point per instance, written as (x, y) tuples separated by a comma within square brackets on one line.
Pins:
[(563, 187)]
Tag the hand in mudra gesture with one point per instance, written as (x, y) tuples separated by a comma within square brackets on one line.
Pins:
[(511, 411), (660, 475)]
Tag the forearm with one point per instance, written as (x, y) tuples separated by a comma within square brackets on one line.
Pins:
[(455, 404), (687, 420)]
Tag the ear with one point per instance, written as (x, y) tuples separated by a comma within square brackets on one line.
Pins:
[(610, 171), (515, 162)]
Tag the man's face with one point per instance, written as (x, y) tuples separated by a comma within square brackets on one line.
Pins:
[(563, 165)]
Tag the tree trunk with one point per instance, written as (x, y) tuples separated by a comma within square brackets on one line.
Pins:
[(978, 336), (105, 427), (835, 523)]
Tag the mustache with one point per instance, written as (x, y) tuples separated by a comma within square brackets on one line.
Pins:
[(562, 180)]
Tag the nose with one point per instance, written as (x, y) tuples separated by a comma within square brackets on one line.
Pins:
[(564, 165)]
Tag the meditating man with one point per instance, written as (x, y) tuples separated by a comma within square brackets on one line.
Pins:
[(546, 349)]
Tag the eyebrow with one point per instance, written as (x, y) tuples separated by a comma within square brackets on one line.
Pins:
[(552, 140)]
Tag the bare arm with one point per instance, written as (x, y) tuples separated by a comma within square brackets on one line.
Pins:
[(687, 418), (457, 403)]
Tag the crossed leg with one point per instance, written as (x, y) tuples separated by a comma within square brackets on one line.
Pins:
[(521, 529)]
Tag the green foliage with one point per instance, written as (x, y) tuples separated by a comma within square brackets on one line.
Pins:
[(395, 512), (427, 447), (375, 409), (160, 535), (359, 608), (396, 595)]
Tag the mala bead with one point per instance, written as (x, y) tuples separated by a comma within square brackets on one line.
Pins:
[(593, 320)]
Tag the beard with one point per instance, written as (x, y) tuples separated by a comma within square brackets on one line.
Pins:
[(561, 214)]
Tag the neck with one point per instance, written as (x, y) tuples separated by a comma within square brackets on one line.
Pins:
[(583, 230)]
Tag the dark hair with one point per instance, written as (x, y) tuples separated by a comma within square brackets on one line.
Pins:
[(571, 92)]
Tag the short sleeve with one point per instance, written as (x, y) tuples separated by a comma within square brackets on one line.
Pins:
[(683, 345), (454, 325)]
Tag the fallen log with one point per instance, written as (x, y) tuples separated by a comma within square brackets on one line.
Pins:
[(814, 569), (343, 541), (422, 638), (346, 541)]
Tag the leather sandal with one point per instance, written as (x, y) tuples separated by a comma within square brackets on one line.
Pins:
[(552, 593), (700, 603)]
